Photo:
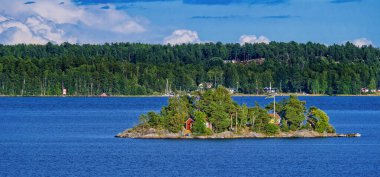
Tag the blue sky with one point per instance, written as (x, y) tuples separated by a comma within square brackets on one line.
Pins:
[(190, 21)]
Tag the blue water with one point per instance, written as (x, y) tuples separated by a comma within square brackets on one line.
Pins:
[(74, 137)]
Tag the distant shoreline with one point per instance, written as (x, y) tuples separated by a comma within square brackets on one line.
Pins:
[(135, 96), (306, 95)]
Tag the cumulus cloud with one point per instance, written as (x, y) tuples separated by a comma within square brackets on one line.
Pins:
[(14, 32), (53, 20), (251, 39), (182, 36), (34, 30), (3, 18), (361, 42), (47, 30)]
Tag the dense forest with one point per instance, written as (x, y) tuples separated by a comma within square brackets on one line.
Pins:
[(137, 69)]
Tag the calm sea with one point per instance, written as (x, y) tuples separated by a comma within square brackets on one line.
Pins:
[(75, 137)]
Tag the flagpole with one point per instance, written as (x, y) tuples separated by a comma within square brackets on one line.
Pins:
[(274, 99), (274, 107)]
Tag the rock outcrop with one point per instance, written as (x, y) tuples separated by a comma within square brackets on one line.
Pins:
[(165, 134)]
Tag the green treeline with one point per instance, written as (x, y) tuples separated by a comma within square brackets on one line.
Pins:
[(137, 69), (216, 106)]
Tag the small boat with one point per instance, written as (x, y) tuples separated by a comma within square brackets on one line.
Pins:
[(104, 95), (354, 135)]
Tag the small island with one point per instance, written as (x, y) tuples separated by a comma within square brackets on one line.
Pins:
[(212, 114)]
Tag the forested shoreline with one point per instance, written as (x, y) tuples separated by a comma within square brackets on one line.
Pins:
[(144, 69)]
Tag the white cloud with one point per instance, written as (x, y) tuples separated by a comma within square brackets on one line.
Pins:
[(361, 42), (51, 20), (48, 9), (253, 39), (35, 30), (48, 31), (2, 18), (14, 32), (129, 27), (182, 36)]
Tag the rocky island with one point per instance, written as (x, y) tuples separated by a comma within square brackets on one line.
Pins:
[(213, 114)]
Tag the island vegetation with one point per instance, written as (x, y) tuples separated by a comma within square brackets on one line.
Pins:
[(213, 114), (144, 69)]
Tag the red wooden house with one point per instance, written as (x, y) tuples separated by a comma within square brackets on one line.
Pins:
[(189, 124)]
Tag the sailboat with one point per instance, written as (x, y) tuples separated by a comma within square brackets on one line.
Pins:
[(168, 91)]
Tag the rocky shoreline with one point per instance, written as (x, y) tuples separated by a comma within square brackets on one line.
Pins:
[(164, 134)]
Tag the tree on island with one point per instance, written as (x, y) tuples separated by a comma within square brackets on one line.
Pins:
[(216, 107), (319, 120)]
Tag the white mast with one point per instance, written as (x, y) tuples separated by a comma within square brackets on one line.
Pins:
[(270, 87), (274, 107), (274, 99), (167, 87)]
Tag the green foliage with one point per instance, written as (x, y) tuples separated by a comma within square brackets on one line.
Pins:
[(307, 126), (219, 117), (284, 125), (143, 119), (321, 120), (293, 111), (372, 85), (243, 115), (330, 129), (199, 126), (176, 113), (218, 106), (271, 129), (155, 120), (262, 119)]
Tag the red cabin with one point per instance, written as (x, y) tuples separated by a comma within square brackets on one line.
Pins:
[(189, 124)]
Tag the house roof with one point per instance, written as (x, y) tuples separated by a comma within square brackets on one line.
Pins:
[(190, 119), (276, 116), (103, 94)]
